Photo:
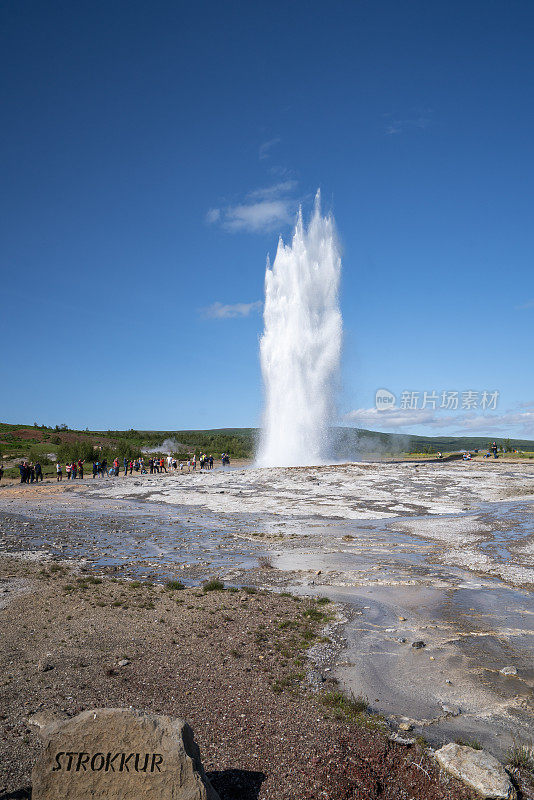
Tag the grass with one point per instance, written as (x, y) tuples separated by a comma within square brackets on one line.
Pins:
[(314, 614), (174, 586), (344, 706), (215, 585), (421, 741), (474, 744), (522, 757)]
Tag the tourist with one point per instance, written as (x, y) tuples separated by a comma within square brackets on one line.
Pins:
[(104, 467), (80, 467), (59, 473), (38, 472), (125, 466), (162, 464), (115, 467), (151, 465), (67, 470), (73, 470), (1, 471), (96, 468)]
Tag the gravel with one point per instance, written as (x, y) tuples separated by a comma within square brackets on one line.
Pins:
[(237, 671)]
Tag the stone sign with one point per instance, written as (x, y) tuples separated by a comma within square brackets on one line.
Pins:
[(120, 754)]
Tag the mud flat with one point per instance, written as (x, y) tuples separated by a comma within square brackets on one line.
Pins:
[(441, 554)]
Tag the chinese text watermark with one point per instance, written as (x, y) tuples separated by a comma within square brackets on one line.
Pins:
[(450, 400)]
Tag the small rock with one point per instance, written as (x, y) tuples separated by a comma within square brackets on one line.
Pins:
[(396, 737), (451, 711), (418, 644), (401, 640), (44, 666), (123, 662), (448, 681), (402, 619), (405, 726), (508, 671), (477, 769), (315, 677), (43, 719)]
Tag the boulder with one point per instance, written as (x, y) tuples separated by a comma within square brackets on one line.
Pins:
[(477, 769), (119, 754)]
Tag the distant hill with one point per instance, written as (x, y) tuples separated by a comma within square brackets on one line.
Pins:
[(361, 441), (348, 443)]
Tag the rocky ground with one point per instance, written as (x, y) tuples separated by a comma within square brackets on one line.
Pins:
[(270, 723)]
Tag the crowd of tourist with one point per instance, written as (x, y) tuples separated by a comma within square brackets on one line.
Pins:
[(31, 473)]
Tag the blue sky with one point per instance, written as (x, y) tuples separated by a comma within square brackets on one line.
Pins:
[(153, 152)]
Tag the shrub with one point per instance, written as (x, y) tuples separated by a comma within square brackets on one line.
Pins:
[(215, 585), (344, 705), (174, 586)]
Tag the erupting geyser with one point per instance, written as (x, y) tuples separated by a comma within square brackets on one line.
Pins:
[(301, 345)]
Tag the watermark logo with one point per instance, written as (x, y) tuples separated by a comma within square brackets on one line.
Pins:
[(384, 399), (450, 400)]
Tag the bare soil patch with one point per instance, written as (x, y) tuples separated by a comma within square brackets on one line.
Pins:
[(233, 663)]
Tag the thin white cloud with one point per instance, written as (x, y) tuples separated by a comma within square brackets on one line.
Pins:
[(417, 122), (395, 419), (523, 306), (268, 192), (263, 210), (265, 215), (267, 146), (213, 216), (231, 310), (391, 418), (522, 421)]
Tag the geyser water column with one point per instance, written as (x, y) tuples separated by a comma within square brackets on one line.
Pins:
[(301, 344)]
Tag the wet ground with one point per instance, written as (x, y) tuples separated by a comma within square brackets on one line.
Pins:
[(439, 555)]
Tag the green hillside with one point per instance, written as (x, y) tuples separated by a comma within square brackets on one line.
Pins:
[(40, 442)]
